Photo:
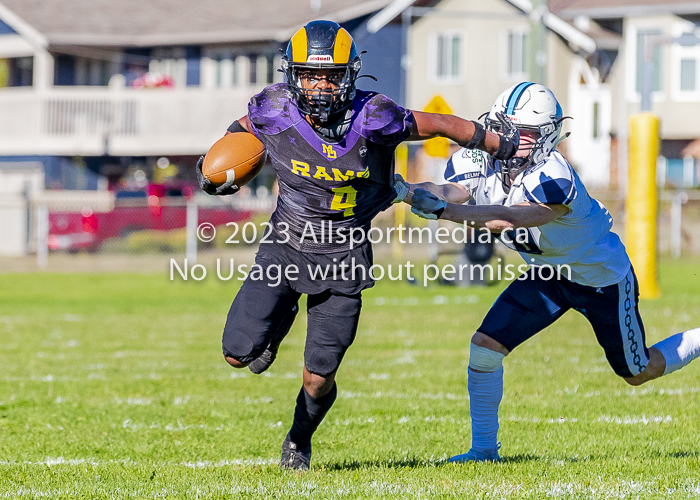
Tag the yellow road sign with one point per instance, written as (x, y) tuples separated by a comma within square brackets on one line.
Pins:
[(438, 147), (438, 105)]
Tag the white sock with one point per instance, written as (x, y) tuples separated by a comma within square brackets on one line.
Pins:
[(680, 349), (485, 394)]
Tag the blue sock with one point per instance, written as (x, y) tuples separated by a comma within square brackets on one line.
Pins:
[(485, 394)]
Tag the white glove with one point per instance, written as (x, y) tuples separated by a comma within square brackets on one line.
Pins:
[(401, 188)]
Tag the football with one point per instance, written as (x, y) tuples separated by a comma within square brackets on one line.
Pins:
[(238, 156)]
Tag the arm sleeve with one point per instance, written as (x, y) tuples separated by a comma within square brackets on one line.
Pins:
[(236, 127)]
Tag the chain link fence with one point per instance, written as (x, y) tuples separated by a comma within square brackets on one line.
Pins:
[(134, 223), (139, 224)]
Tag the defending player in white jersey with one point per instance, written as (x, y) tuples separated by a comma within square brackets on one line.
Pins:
[(540, 191)]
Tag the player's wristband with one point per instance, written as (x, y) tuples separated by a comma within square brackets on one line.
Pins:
[(506, 149), (236, 127), (477, 138)]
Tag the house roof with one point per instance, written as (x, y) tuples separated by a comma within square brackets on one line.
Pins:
[(604, 38), (601, 9), (170, 22), (576, 38)]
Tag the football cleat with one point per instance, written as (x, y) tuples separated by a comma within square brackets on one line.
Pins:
[(265, 360), (477, 456), (294, 458)]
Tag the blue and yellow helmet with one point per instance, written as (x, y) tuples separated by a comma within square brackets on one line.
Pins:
[(322, 45)]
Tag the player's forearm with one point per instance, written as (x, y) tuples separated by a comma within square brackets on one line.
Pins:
[(461, 131), (498, 217), (240, 125), (494, 217), (451, 193)]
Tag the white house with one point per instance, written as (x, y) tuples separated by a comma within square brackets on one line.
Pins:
[(468, 51), (67, 69)]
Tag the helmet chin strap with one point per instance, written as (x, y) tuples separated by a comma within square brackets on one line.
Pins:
[(562, 138), (336, 130), (511, 169)]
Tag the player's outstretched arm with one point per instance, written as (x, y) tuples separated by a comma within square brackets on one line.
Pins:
[(450, 192), (494, 217), (466, 133)]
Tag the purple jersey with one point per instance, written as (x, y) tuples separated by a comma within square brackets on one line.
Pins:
[(347, 182)]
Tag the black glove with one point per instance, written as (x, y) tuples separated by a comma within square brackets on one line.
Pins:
[(206, 185), (509, 140)]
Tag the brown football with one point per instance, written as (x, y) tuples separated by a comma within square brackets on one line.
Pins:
[(238, 156)]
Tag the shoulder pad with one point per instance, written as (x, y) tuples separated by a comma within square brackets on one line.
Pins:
[(551, 182), (269, 110), (465, 164), (381, 120)]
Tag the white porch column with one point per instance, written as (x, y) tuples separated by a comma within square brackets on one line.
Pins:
[(43, 70)]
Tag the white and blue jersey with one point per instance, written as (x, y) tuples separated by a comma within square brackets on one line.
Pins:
[(602, 285), (582, 239)]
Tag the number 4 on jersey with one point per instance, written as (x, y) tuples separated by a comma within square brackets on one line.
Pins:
[(344, 198)]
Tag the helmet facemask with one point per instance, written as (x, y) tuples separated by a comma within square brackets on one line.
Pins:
[(322, 104), (545, 140), (534, 110)]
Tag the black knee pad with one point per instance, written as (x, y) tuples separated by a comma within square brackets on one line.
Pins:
[(242, 353), (322, 362), (254, 317), (332, 325)]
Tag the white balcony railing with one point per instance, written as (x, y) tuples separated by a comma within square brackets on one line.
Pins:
[(92, 121)]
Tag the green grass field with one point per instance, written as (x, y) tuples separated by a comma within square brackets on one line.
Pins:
[(114, 386)]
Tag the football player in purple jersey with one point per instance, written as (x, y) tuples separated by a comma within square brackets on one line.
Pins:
[(332, 147)]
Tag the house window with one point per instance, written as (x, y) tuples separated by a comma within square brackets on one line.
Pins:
[(20, 72), (644, 38), (516, 50), (94, 72), (447, 57), (685, 65), (688, 72)]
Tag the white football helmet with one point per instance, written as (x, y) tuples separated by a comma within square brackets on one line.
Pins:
[(533, 107)]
